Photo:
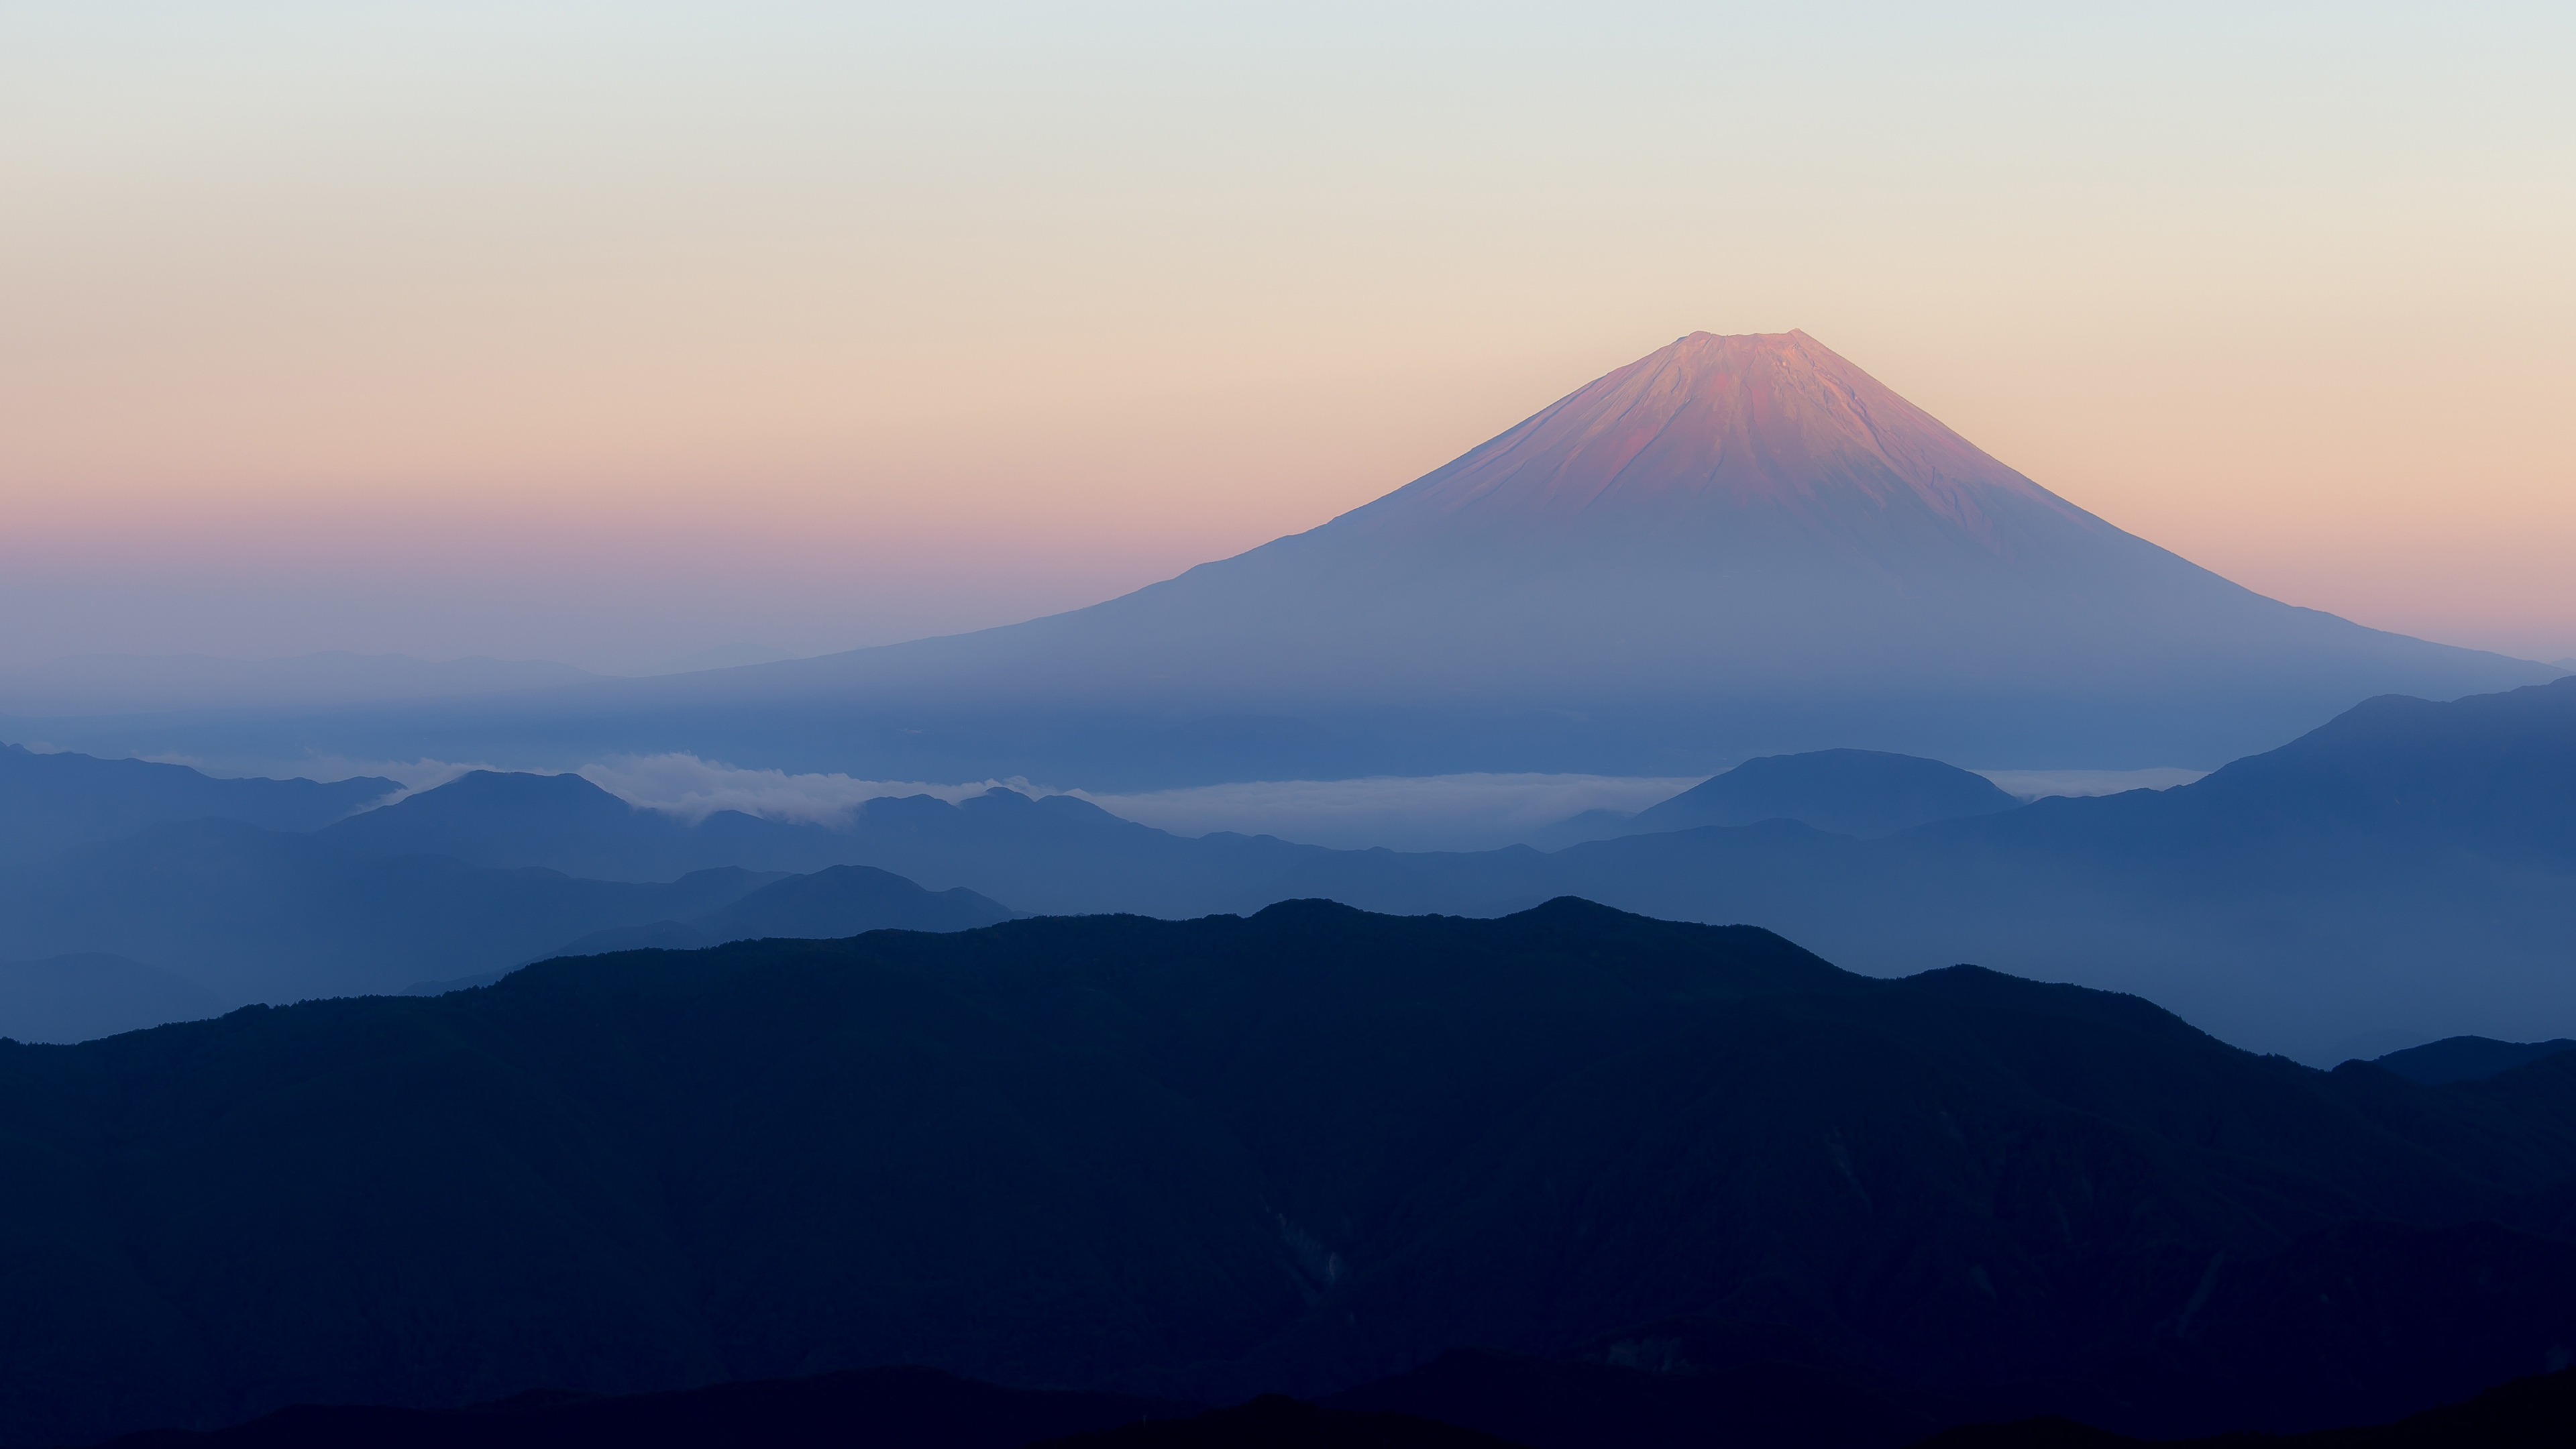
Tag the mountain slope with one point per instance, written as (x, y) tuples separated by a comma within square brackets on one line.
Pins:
[(2469, 1058), (836, 901), (85, 996), (51, 802), (1732, 547), (1846, 792), (1298, 1151), (256, 915), (1736, 545)]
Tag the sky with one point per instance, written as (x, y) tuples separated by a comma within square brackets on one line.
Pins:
[(609, 333)]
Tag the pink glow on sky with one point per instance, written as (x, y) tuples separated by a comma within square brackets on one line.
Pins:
[(610, 333)]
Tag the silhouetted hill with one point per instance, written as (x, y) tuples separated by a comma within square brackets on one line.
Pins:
[(2468, 1058), (76, 998), (1297, 1152), (881, 1408), (844, 900), (1847, 792), (52, 802)]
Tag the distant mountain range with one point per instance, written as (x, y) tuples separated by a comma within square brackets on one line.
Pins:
[(49, 802), (1301, 1152), (88, 995), (836, 901), (2409, 867), (1733, 547)]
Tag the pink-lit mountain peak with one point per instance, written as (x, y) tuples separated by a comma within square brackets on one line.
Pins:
[(1712, 426)]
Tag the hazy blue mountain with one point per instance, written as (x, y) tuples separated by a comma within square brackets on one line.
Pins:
[(1295, 1152), (651, 936), (1055, 854), (566, 823), (117, 684), (843, 900), (2409, 864), (257, 915), (839, 900), (2469, 1058), (1847, 792), (81, 997), (1733, 547), (49, 802)]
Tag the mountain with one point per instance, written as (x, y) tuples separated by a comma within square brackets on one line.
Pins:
[(2409, 866), (844, 900), (559, 822), (80, 997), (257, 915), (836, 901), (1732, 547), (2469, 1058), (1296, 1152), (115, 684), (1056, 853), (1847, 792), (49, 802)]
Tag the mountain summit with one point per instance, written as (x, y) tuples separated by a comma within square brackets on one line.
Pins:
[(1732, 547), (1711, 432)]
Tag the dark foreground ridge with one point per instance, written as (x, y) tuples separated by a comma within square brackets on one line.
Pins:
[(1300, 1152)]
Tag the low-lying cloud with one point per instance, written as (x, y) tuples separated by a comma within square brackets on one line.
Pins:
[(694, 789), (1421, 812), (2037, 784)]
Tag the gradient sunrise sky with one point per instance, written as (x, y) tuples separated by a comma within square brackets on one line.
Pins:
[(606, 333)]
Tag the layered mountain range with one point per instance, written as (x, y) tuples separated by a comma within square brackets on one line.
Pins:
[(1735, 546), (2405, 871)]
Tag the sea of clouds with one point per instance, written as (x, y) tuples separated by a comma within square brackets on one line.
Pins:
[(1422, 812)]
